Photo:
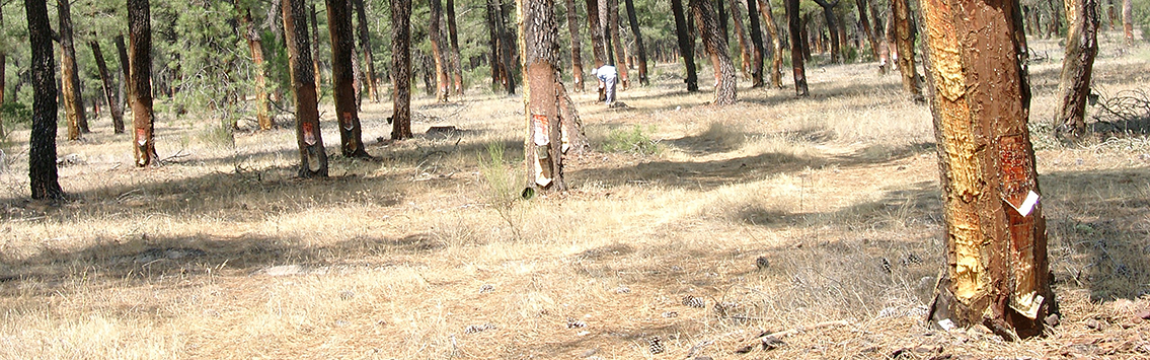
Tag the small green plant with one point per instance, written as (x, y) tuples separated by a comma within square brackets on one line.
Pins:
[(15, 113), (220, 135), (633, 141), (502, 193)]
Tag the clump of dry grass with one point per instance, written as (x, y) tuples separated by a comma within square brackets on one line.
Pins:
[(431, 253)]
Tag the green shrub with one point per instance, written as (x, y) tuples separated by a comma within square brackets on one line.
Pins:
[(633, 141)]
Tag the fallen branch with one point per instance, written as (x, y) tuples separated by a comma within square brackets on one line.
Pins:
[(772, 339)]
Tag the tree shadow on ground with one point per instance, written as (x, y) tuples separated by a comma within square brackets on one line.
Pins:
[(1099, 230), (151, 258), (715, 173)]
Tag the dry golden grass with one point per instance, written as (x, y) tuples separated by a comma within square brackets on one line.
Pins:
[(222, 253)]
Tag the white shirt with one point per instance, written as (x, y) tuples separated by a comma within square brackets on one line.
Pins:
[(605, 72)]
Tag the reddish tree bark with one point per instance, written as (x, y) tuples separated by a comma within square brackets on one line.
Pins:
[(617, 41), (401, 69), (741, 37), (309, 139), (725, 93), (997, 270), (140, 44), (433, 35), (263, 105), (70, 74), (343, 78), (42, 145), (576, 45), (544, 95), (797, 44), (453, 39)]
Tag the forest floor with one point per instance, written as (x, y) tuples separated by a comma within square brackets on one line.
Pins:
[(223, 253)]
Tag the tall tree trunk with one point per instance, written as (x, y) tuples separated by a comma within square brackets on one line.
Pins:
[(495, 35), (507, 49), (596, 28), (125, 68), (401, 69), (806, 36), (722, 18), (106, 81), (797, 43), (889, 51), (543, 95), (313, 158), (318, 78), (343, 77), (717, 48), (263, 105), (453, 38), (70, 79), (686, 46), (42, 145), (904, 42), (741, 37), (1081, 47), (433, 33), (776, 44), (1055, 24), (634, 20), (3, 62), (140, 43), (365, 45), (997, 267), (756, 44), (1128, 21), (867, 29), (576, 45), (613, 29), (832, 26)]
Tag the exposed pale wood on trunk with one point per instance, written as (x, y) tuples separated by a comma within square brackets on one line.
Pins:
[(140, 50), (309, 139), (343, 78), (725, 82), (996, 269), (263, 105), (70, 74)]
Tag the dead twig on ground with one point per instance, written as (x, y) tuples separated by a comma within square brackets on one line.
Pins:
[(772, 339)]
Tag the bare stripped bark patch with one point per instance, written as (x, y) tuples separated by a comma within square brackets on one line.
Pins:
[(997, 267)]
